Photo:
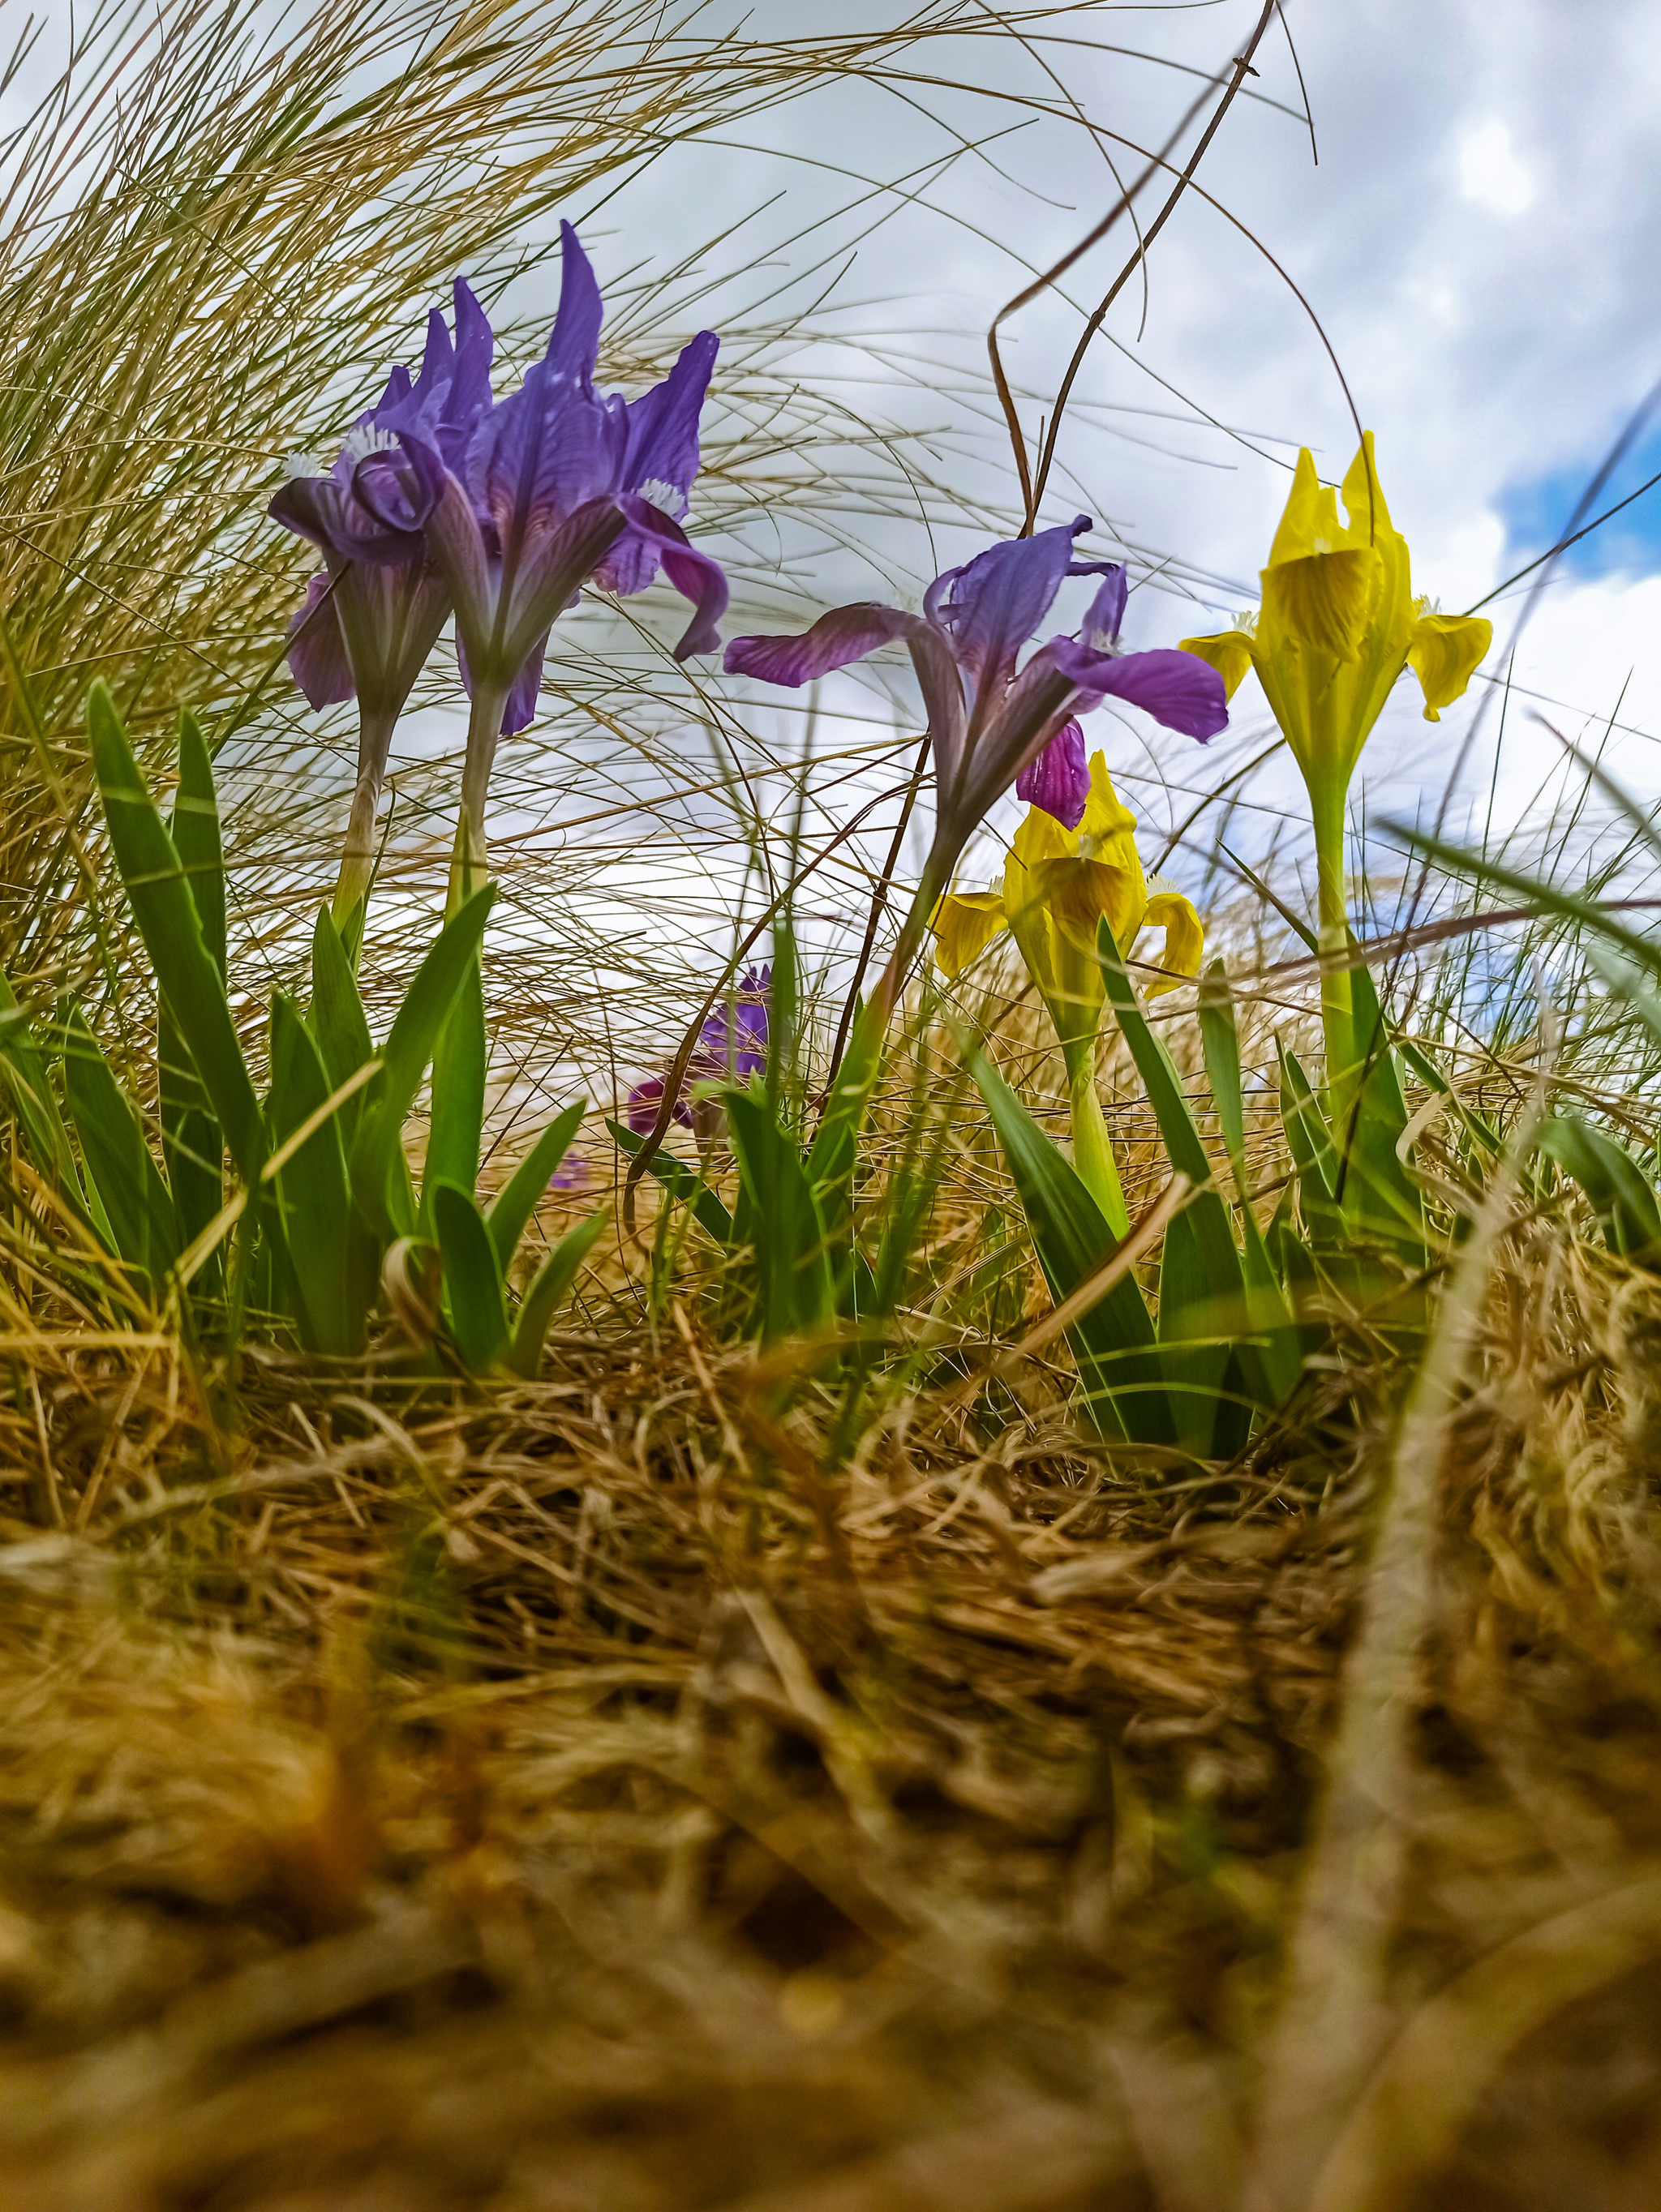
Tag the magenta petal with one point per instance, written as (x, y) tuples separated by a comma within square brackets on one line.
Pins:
[(1059, 780), (1178, 688), (1101, 625), (845, 635), (317, 650), (644, 1103)]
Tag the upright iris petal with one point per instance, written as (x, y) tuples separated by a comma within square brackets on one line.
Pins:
[(1339, 624)]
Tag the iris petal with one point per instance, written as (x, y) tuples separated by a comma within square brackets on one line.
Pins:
[(964, 924), (1058, 780), (1445, 652), (1229, 652), (317, 650)]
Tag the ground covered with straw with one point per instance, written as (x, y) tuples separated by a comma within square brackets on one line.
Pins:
[(817, 1774), (578, 1801)]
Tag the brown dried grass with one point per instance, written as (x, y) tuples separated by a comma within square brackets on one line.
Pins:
[(591, 1796)]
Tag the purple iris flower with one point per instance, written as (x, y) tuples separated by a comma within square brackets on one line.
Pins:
[(989, 721), (732, 1047), (557, 487), (369, 621)]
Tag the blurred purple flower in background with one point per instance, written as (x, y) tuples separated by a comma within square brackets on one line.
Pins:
[(731, 1046)]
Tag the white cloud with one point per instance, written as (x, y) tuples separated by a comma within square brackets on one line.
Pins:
[(1490, 173)]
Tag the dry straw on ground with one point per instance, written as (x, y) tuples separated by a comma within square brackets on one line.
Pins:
[(610, 1795), (591, 1799)]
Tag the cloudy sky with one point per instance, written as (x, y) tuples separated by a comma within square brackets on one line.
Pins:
[(1475, 246), (1475, 240)]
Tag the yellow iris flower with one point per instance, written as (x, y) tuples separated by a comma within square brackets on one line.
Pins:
[(1338, 625), (1058, 887)]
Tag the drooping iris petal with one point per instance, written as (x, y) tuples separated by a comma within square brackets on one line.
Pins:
[(326, 510), (1445, 652), (317, 650), (990, 606), (1178, 688), (1059, 780), (696, 577), (645, 1103), (964, 924), (845, 635), (1173, 911), (1229, 652)]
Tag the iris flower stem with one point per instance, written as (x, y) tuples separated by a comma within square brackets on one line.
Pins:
[(1326, 807), (935, 882), (1092, 1148), (470, 864), (357, 859)]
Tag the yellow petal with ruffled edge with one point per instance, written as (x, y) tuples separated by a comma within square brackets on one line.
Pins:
[(1078, 895), (1445, 652), (1320, 601), (964, 923), (1229, 652), (1170, 910)]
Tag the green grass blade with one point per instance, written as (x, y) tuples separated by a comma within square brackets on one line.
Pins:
[(312, 1193), (36, 1106), (338, 1020), (682, 1185), (196, 837), (381, 1195), (1217, 1311), (1379, 1194), (832, 1155), (549, 1291), (459, 1063), (793, 1264), (1537, 892), (1620, 1194), (518, 1198), (165, 910), (472, 1280), (1219, 1039), (136, 1202), (1122, 1383)]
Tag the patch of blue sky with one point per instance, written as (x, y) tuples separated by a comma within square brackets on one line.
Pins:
[(1536, 512)]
